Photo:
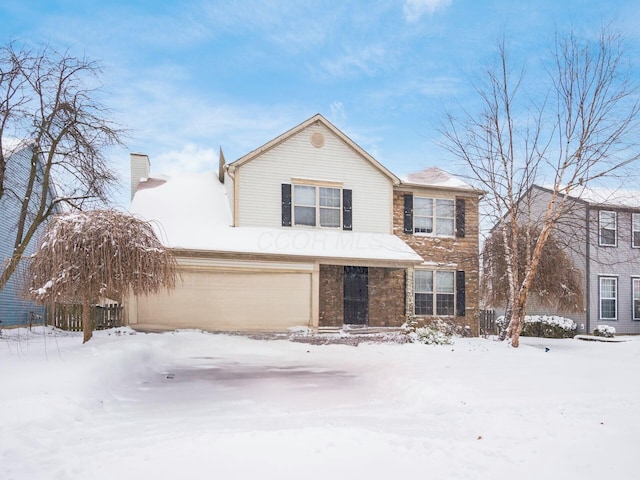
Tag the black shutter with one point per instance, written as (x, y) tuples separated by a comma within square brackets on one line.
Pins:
[(286, 205), (347, 217), (460, 297), (460, 229), (408, 213)]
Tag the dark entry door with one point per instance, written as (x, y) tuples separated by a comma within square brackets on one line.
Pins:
[(356, 295)]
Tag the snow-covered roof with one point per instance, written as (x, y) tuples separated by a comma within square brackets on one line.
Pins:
[(612, 197), (11, 145), (436, 177), (192, 212)]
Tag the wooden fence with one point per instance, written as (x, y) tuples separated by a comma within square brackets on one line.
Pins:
[(69, 317), (488, 323)]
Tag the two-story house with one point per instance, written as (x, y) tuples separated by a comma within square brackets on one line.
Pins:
[(601, 234), (301, 232)]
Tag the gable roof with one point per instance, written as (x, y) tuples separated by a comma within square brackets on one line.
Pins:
[(602, 196), (317, 118)]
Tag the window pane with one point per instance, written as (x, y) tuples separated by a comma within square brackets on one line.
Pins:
[(304, 195), (608, 220), (422, 224), (305, 216), (608, 308), (636, 309), (636, 298), (607, 287), (329, 197), (444, 282), (444, 226), (423, 304), (423, 206), (444, 304), (423, 281), (636, 239), (329, 217), (444, 208)]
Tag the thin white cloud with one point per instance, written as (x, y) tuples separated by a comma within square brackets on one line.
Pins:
[(357, 61), (415, 9)]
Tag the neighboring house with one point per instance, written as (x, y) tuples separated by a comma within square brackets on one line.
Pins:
[(14, 310), (601, 230), (302, 231)]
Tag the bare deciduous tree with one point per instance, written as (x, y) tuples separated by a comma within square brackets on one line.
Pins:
[(49, 101), (88, 256), (582, 129)]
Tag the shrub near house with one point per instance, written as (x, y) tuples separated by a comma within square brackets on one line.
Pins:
[(544, 326)]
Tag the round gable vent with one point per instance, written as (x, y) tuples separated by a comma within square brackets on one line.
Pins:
[(317, 139)]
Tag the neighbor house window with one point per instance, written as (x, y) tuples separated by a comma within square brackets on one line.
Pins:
[(608, 228), (635, 230), (636, 298), (608, 298), (434, 292), (433, 215), (316, 205)]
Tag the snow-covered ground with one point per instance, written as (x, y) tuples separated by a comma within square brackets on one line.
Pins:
[(190, 405)]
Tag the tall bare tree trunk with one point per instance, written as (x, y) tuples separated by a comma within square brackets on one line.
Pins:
[(87, 327)]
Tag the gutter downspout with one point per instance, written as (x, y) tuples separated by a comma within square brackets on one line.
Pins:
[(588, 269)]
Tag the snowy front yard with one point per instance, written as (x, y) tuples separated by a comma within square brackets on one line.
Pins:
[(190, 405)]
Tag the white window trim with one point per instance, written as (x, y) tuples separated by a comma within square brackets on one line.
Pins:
[(434, 217), (615, 228), (634, 279), (317, 186), (434, 293), (600, 297), (633, 216)]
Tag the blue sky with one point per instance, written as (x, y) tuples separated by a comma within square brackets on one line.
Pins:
[(186, 77)]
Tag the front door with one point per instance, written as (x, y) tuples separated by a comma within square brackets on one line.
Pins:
[(356, 295)]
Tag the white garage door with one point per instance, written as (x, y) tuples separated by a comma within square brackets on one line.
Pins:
[(229, 301)]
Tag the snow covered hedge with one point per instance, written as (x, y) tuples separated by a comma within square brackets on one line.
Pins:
[(545, 326), (605, 331), (435, 333)]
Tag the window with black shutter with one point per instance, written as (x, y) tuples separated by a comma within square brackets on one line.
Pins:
[(460, 294), (408, 213), (460, 218), (286, 205)]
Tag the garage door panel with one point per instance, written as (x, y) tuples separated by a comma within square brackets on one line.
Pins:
[(232, 301)]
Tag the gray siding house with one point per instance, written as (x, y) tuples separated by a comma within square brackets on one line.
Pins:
[(601, 231), (14, 310)]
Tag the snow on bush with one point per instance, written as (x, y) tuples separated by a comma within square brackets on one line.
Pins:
[(545, 326), (605, 331), (436, 333)]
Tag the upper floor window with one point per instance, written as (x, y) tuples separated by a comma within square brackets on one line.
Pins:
[(635, 230), (607, 228), (313, 205), (316, 205), (435, 216), (608, 298)]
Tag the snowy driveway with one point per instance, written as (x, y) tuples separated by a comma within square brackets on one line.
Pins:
[(190, 405)]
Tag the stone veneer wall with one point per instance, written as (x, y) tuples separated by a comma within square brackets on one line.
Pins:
[(331, 296), (461, 251), (386, 296)]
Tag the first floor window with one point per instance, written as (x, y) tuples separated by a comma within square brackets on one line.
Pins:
[(608, 298), (314, 205), (434, 292), (636, 298)]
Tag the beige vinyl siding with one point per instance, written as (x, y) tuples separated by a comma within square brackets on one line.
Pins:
[(231, 301), (259, 201)]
